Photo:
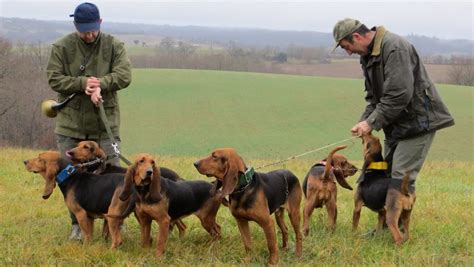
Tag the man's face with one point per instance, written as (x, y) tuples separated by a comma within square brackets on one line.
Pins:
[(88, 37), (358, 46)]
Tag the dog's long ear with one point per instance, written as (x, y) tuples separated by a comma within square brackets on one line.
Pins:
[(128, 182), (52, 169), (235, 166), (341, 180), (100, 153), (155, 185)]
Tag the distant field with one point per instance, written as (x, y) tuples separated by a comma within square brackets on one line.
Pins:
[(350, 68), (264, 116)]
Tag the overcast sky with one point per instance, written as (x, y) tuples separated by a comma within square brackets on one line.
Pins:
[(442, 19)]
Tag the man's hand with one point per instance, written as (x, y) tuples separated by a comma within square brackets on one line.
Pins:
[(361, 128), (96, 97), (91, 85), (93, 90)]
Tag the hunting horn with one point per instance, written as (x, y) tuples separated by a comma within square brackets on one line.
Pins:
[(51, 107)]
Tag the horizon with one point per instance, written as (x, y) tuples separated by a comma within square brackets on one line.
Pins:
[(442, 20)]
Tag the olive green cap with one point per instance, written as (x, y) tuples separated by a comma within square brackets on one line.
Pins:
[(343, 28)]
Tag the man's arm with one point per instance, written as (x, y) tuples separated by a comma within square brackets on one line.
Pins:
[(398, 89), (57, 78), (121, 74)]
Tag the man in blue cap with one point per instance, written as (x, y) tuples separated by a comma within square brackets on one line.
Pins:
[(92, 65)]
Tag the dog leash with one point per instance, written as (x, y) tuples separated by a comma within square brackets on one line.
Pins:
[(306, 153), (111, 136)]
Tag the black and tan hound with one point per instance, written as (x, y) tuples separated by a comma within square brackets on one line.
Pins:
[(392, 199), (166, 201), (87, 195), (254, 196)]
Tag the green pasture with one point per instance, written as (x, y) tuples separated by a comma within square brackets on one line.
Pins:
[(182, 115), (34, 231), (263, 116)]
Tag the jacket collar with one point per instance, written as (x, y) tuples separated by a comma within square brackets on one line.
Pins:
[(379, 34)]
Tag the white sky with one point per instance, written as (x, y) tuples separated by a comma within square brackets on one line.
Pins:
[(442, 19)]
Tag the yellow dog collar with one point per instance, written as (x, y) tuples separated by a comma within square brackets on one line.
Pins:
[(381, 165)]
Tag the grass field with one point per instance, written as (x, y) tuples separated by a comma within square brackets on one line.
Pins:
[(181, 115), (34, 231), (264, 116)]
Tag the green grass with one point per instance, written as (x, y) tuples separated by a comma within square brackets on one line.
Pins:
[(181, 115), (34, 231), (265, 116)]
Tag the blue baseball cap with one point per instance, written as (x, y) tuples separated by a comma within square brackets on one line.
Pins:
[(86, 17)]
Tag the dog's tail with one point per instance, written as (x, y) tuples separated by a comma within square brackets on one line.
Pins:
[(130, 207), (327, 170), (405, 186)]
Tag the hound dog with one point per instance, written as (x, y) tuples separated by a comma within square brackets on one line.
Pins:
[(88, 151), (392, 199), (320, 188), (166, 201), (255, 196), (86, 195)]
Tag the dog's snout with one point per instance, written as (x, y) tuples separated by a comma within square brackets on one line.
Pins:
[(25, 162), (149, 172), (197, 163)]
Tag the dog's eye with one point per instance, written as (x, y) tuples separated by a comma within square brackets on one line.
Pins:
[(153, 162), (141, 161)]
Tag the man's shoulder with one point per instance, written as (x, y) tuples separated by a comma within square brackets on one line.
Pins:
[(110, 39), (393, 41), (65, 40)]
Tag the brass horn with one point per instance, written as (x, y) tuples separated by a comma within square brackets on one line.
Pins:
[(51, 107)]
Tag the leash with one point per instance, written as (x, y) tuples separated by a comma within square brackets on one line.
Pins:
[(111, 136), (306, 153)]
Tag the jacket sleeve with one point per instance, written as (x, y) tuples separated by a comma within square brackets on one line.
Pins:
[(121, 73), (58, 80), (398, 87), (369, 98)]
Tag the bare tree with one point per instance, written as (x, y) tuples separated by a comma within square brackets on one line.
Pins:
[(23, 87), (461, 71)]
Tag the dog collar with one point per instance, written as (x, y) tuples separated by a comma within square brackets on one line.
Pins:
[(380, 165), (65, 173), (246, 177)]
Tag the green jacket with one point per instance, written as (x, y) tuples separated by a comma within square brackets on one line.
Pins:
[(108, 61), (401, 97)]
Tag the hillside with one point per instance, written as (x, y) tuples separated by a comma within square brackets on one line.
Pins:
[(29, 30), (264, 116)]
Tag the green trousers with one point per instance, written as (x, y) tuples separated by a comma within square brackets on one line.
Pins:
[(408, 155)]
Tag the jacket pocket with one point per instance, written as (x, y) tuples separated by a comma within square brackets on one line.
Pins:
[(422, 105)]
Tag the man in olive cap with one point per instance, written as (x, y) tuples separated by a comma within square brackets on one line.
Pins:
[(401, 98), (94, 66)]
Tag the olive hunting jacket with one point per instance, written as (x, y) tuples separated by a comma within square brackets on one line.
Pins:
[(105, 59), (401, 98)]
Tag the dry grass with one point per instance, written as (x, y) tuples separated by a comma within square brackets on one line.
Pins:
[(34, 231)]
